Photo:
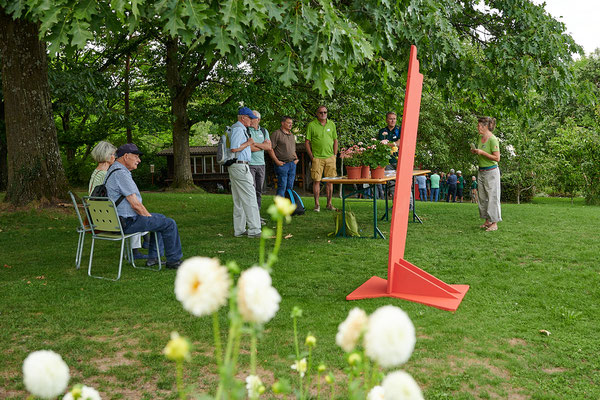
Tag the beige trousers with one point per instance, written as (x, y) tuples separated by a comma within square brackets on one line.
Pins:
[(489, 195), (245, 208)]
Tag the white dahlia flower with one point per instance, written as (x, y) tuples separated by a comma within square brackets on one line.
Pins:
[(400, 385), (257, 300), (202, 285), (390, 337), (350, 330), (82, 392), (377, 393), (45, 374)]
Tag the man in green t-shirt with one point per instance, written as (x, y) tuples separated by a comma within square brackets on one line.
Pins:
[(435, 186), (322, 146)]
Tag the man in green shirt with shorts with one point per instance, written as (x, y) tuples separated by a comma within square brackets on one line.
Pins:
[(322, 146)]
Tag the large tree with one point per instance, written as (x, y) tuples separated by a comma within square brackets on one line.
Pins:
[(494, 54), (35, 169)]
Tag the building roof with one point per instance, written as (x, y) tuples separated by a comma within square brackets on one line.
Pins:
[(194, 151), (212, 150)]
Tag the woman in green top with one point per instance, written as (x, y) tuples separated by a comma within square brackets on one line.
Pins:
[(104, 155), (488, 155)]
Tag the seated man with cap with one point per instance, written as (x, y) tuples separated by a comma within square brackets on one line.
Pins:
[(134, 216), (245, 207)]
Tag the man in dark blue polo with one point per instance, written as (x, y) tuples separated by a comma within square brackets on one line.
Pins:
[(392, 133), (134, 215)]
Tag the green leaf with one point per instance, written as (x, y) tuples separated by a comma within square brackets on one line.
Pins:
[(119, 7), (50, 20), (273, 11), (85, 10), (195, 13), (15, 8), (58, 37), (134, 8), (288, 71), (222, 41), (174, 23), (80, 34)]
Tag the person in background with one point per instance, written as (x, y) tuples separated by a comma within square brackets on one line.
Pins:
[(245, 207), (474, 190), (104, 154), (488, 156), (283, 154), (460, 186), (451, 187), (443, 185), (421, 181), (435, 186), (322, 146), (392, 133), (262, 142)]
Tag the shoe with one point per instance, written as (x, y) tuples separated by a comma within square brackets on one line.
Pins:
[(138, 255), (332, 208), (245, 233), (174, 264), (256, 235), (152, 262), (317, 209)]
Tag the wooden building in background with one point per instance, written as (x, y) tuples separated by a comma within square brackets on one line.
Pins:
[(207, 173)]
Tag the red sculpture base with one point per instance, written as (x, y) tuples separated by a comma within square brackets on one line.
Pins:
[(413, 284)]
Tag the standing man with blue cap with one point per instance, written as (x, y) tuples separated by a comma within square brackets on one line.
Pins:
[(245, 207)]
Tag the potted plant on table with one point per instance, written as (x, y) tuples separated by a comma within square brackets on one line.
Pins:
[(377, 156), (352, 158)]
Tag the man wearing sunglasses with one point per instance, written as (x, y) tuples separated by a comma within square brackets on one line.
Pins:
[(322, 146)]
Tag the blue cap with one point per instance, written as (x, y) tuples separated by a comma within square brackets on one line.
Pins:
[(128, 148), (246, 111)]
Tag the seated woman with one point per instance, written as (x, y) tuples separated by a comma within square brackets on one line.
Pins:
[(104, 155)]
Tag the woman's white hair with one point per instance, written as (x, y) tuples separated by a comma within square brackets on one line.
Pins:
[(103, 151)]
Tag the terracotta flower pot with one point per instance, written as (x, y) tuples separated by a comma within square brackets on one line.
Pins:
[(365, 173), (353, 172), (378, 173)]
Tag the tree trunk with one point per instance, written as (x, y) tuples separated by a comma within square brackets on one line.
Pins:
[(35, 170), (126, 84), (181, 122), (3, 163)]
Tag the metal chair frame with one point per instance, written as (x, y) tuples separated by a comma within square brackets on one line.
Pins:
[(105, 224), (82, 229)]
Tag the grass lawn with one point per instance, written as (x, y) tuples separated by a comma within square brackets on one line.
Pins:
[(539, 271)]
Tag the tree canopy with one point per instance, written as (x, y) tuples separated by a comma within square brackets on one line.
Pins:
[(186, 62)]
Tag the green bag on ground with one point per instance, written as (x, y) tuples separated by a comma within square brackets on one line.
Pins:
[(351, 224)]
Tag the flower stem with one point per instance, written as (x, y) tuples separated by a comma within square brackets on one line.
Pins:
[(308, 380), (319, 385), (217, 337), (278, 237), (374, 374), (367, 384), (180, 380), (261, 251), (253, 352), (295, 319)]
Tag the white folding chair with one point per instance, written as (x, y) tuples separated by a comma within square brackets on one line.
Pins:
[(106, 225), (82, 229)]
